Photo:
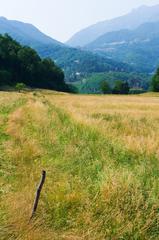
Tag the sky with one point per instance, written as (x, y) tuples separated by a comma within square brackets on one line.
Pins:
[(60, 19)]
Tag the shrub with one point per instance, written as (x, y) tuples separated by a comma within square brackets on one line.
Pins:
[(20, 86)]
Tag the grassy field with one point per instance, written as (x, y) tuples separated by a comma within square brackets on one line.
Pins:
[(101, 154)]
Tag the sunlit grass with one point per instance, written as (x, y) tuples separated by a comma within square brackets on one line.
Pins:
[(101, 158), (131, 120)]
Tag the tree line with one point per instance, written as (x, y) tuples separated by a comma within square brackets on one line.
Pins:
[(22, 64), (123, 87), (120, 87)]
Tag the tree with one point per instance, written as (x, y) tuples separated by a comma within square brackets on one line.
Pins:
[(72, 88), (121, 87), (105, 87), (20, 86), (155, 82), (125, 88)]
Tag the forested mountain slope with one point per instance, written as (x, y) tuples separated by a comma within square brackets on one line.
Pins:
[(139, 47), (22, 64)]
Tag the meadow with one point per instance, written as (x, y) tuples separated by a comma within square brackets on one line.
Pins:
[(101, 155)]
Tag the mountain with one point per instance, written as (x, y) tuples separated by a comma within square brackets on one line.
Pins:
[(130, 21), (25, 32), (75, 62), (139, 47)]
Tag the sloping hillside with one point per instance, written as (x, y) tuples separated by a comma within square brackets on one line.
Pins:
[(25, 32), (22, 64), (139, 47)]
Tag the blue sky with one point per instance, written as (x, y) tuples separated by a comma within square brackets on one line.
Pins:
[(62, 18)]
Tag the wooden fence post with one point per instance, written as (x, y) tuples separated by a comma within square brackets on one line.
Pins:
[(38, 192)]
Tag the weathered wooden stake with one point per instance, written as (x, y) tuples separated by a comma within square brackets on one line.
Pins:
[(38, 192)]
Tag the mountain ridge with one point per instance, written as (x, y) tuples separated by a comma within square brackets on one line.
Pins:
[(139, 47), (17, 26), (128, 21), (75, 62)]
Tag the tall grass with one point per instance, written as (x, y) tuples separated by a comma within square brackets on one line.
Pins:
[(101, 158)]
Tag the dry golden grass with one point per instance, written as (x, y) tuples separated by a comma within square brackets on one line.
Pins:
[(132, 120), (101, 158)]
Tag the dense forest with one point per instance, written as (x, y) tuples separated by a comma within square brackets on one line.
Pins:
[(22, 64)]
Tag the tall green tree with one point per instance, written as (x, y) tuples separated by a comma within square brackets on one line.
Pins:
[(155, 82), (121, 87), (105, 87)]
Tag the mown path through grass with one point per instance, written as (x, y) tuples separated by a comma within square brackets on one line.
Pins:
[(95, 188)]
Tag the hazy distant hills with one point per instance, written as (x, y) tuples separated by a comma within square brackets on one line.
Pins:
[(139, 47), (76, 63), (129, 21)]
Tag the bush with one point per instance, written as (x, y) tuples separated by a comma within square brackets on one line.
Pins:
[(20, 86), (72, 88)]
